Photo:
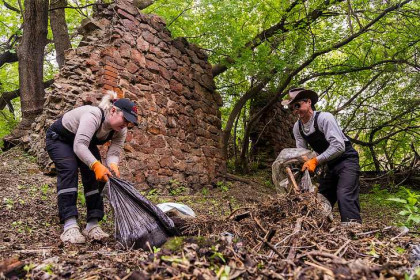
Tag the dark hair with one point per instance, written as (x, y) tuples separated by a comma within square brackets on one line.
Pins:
[(312, 104), (313, 107)]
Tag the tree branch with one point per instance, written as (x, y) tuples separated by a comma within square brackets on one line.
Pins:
[(279, 92), (357, 94), (6, 97), (8, 57), (273, 30), (10, 7), (78, 7)]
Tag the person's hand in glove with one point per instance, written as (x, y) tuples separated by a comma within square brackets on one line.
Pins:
[(310, 165), (114, 168), (101, 172)]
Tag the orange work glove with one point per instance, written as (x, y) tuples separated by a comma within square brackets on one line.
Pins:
[(101, 172), (114, 167), (310, 165)]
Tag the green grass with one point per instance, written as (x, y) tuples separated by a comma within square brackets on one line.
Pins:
[(376, 206)]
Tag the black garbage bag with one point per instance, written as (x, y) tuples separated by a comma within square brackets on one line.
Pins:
[(138, 222)]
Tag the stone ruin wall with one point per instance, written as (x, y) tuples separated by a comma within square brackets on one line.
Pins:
[(170, 80), (272, 133)]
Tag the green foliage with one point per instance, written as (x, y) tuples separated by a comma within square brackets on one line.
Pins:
[(8, 202), (381, 61), (174, 243), (225, 272), (29, 267), (225, 29), (175, 187), (224, 186), (411, 204), (10, 33), (205, 191), (8, 120), (48, 268), (45, 190), (81, 196), (217, 255)]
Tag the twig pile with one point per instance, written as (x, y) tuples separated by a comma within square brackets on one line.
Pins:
[(290, 236)]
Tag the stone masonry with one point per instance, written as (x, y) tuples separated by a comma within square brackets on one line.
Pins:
[(272, 133), (134, 55)]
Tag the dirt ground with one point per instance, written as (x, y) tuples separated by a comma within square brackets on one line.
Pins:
[(30, 246)]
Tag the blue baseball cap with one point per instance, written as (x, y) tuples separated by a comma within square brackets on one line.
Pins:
[(129, 109)]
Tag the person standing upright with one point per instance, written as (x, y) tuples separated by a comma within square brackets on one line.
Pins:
[(340, 181)]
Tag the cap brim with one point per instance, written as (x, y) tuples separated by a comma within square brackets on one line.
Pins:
[(286, 102), (130, 117), (307, 93)]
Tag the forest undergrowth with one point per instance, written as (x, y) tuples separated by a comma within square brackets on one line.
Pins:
[(243, 231)]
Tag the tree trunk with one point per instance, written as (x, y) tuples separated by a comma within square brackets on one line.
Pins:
[(375, 159), (59, 29), (31, 59), (238, 107), (31, 65)]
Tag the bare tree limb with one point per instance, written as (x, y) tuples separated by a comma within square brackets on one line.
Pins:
[(10, 7), (8, 96), (357, 94), (8, 57), (79, 7)]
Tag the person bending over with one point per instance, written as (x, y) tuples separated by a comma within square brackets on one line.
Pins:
[(71, 143)]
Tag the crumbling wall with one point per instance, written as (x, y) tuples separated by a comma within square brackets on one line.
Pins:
[(134, 55), (272, 133)]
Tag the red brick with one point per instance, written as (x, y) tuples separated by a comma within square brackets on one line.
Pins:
[(110, 61), (110, 83), (128, 7), (110, 68), (157, 142), (166, 162), (107, 87), (154, 130), (125, 50), (149, 37), (171, 63), (109, 78), (110, 73)]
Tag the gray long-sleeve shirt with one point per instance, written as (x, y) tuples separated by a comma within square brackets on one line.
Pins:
[(328, 125), (84, 121)]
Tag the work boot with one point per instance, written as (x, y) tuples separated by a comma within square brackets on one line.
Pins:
[(73, 235), (95, 233)]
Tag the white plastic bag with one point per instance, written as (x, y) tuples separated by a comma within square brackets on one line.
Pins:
[(183, 210)]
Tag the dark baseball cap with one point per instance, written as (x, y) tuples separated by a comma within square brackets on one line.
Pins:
[(128, 108)]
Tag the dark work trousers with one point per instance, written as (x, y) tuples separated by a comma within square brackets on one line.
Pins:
[(340, 183), (67, 165)]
